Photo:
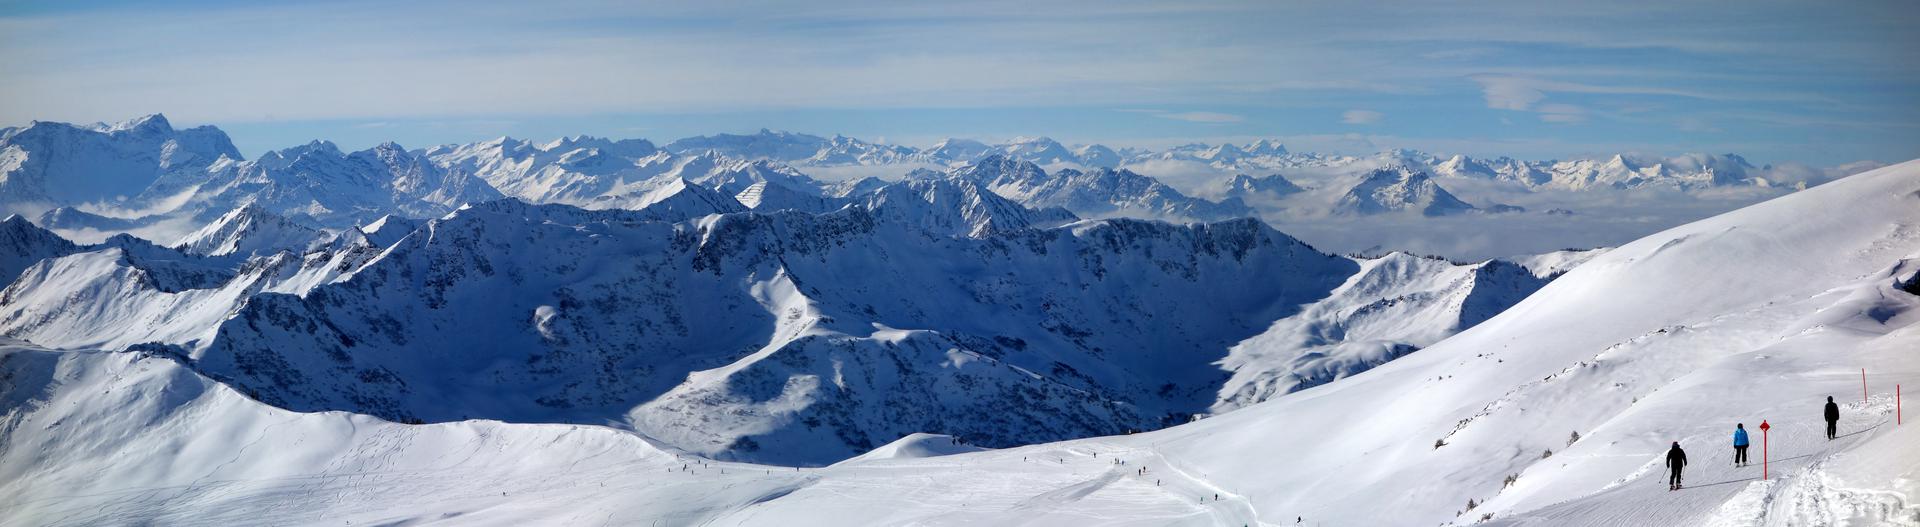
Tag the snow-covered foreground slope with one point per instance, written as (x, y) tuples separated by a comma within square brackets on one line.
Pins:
[(1757, 314)]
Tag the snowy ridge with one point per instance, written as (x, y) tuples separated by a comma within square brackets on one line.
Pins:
[(1554, 264), (1098, 192), (247, 231), (957, 206), (915, 446), (1395, 305), (673, 199), (157, 294)]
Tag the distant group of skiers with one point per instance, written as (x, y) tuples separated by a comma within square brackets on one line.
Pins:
[(1677, 458)]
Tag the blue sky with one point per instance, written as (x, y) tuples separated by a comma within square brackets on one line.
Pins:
[(1822, 83)]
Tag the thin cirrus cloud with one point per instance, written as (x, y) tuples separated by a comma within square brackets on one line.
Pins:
[(1361, 117), (1256, 68), (1561, 113), (1202, 117)]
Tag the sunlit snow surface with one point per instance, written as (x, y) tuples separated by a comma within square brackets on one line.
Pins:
[(1756, 314)]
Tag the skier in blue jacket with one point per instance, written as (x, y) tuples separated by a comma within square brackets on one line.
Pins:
[(1739, 444)]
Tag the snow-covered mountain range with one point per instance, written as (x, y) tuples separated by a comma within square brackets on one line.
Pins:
[(712, 299), (145, 177), (666, 317), (621, 283), (1619, 171), (1555, 411)]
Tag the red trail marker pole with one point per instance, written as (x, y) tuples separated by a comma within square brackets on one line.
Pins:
[(1765, 460)]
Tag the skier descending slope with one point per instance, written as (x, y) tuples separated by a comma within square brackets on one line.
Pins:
[(1739, 444), (1833, 417), (1676, 459)]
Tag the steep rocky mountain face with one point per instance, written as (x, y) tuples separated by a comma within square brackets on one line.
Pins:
[(23, 244), (49, 164)]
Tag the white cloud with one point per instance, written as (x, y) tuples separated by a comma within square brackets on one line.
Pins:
[(1202, 117), (1361, 117), (1509, 93)]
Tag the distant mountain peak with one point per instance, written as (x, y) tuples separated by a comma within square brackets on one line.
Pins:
[(1398, 187), (1271, 186)]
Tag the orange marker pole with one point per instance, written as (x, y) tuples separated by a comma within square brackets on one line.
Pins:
[(1764, 458)]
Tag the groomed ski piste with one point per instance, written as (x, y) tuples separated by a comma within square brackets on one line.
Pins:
[(1758, 314)]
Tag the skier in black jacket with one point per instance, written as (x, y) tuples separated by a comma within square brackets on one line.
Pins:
[(1833, 417), (1676, 459)]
